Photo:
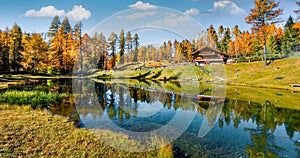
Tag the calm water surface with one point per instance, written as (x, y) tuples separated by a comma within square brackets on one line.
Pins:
[(242, 122)]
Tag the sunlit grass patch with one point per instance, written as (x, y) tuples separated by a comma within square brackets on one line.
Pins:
[(34, 133), (278, 74)]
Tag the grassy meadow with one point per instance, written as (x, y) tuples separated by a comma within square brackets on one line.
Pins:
[(278, 74), (25, 132)]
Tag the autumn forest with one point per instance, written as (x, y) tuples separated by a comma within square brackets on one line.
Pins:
[(64, 45)]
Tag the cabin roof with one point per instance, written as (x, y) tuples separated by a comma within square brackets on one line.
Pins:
[(206, 48)]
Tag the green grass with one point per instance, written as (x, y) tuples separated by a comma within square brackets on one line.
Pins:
[(278, 74), (168, 73), (35, 133), (36, 99)]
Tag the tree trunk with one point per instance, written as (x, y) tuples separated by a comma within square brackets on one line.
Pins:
[(265, 55)]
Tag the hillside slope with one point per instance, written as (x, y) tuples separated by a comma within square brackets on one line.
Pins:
[(278, 74)]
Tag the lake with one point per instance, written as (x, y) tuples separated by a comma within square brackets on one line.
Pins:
[(199, 120)]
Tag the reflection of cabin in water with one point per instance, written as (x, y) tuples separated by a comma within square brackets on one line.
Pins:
[(208, 55)]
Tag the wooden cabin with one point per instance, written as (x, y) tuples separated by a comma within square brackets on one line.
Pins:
[(208, 55)]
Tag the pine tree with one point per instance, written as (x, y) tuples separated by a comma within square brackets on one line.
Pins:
[(290, 37), (236, 32), (69, 55), (64, 46), (273, 46), (35, 53), (223, 44), (4, 50), (77, 40), (220, 37), (122, 46), (103, 51), (53, 29), (187, 50), (178, 52), (66, 27), (169, 51), (128, 41), (112, 44), (95, 48), (77, 34), (15, 47), (136, 46), (57, 48), (231, 48), (212, 37), (265, 11), (86, 51), (201, 42)]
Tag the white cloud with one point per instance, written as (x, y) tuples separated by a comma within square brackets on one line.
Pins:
[(229, 7), (48, 11), (142, 6), (192, 11), (78, 13), (138, 15)]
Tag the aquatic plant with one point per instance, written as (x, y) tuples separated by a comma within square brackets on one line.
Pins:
[(37, 99)]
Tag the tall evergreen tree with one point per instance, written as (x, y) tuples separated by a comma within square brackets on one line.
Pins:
[(223, 44), (57, 48), (212, 37), (273, 46), (77, 40), (136, 46), (112, 44), (4, 50), (128, 41), (66, 27), (35, 53), (236, 32), (122, 46), (264, 12), (16, 47), (290, 37), (187, 50), (220, 36), (55, 24), (169, 51), (103, 51)]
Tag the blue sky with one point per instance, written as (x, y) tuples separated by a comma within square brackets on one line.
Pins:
[(36, 15)]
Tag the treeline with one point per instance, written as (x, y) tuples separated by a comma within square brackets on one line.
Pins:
[(65, 45), (31, 52), (236, 43)]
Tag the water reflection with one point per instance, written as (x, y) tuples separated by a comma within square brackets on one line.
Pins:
[(252, 128), (251, 122)]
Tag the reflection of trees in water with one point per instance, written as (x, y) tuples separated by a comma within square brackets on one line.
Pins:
[(129, 98), (263, 143), (234, 111), (266, 116), (121, 102)]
